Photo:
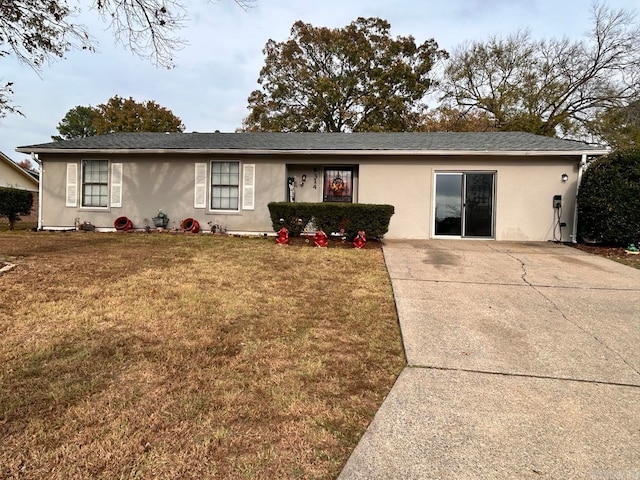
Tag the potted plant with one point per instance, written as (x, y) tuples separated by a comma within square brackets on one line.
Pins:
[(161, 219)]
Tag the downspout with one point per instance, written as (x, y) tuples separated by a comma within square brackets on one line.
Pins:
[(581, 168), (35, 158)]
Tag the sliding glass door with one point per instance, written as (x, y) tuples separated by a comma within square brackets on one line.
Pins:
[(464, 204)]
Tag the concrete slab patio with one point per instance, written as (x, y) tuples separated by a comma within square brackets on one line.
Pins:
[(523, 362)]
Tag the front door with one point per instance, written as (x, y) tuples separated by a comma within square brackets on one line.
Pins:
[(464, 204)]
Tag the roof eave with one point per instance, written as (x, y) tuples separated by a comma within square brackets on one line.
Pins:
[(216, 151)]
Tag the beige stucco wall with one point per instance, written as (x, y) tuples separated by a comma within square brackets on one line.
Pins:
[(305, 192), (406, 186), (524, 188), (150, 184)]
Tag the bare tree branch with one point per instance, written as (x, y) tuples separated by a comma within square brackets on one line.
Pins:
[(146, 27), (550, 87), (37, 32)]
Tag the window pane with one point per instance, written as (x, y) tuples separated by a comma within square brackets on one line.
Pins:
[(95, 183), (86, 171), (225, 180), (448, 204)]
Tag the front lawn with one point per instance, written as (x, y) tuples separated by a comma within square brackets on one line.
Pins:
[(188, 356)]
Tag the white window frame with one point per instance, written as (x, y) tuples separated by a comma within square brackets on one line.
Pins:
[(238, 186), (75, 184), (81, 184), (246, 186)]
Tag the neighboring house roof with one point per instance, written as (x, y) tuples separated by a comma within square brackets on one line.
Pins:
[(436, 143), (13, 175)]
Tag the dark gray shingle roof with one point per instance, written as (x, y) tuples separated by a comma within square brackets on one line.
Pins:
[(431, 142)]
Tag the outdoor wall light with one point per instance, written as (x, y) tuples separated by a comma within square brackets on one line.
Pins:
[(565, 177)]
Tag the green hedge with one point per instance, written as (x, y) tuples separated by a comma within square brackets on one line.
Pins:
[(332, 217), (609, 199), (13, 203)]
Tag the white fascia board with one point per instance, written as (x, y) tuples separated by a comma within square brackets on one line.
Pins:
[(227, 151)]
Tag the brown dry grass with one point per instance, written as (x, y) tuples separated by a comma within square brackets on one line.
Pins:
[(177, 356)]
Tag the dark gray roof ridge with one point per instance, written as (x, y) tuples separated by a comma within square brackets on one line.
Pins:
[(281, 141)]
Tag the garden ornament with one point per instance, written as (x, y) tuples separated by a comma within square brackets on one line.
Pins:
[(320, 239), (282, 237), (361, 240)]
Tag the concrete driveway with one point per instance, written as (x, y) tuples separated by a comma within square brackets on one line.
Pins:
[(523, 362)]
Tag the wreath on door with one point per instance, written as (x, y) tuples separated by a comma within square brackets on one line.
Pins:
[(337, 186)]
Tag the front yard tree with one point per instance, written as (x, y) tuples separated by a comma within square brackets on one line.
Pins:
[(352, 79), (127, 115), (79, 122), (549, 87), (13, 203), (39, 31)]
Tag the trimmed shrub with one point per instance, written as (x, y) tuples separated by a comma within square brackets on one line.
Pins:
[(13, 203), (332, 217), (609, 199)]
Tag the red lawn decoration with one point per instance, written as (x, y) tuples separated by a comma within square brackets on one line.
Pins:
[(283, 236), (320, 239), (361, 240)]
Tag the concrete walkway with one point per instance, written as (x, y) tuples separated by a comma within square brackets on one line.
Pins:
[(523, 362)]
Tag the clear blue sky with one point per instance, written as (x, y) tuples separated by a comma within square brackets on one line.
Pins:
[(215, 73)]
